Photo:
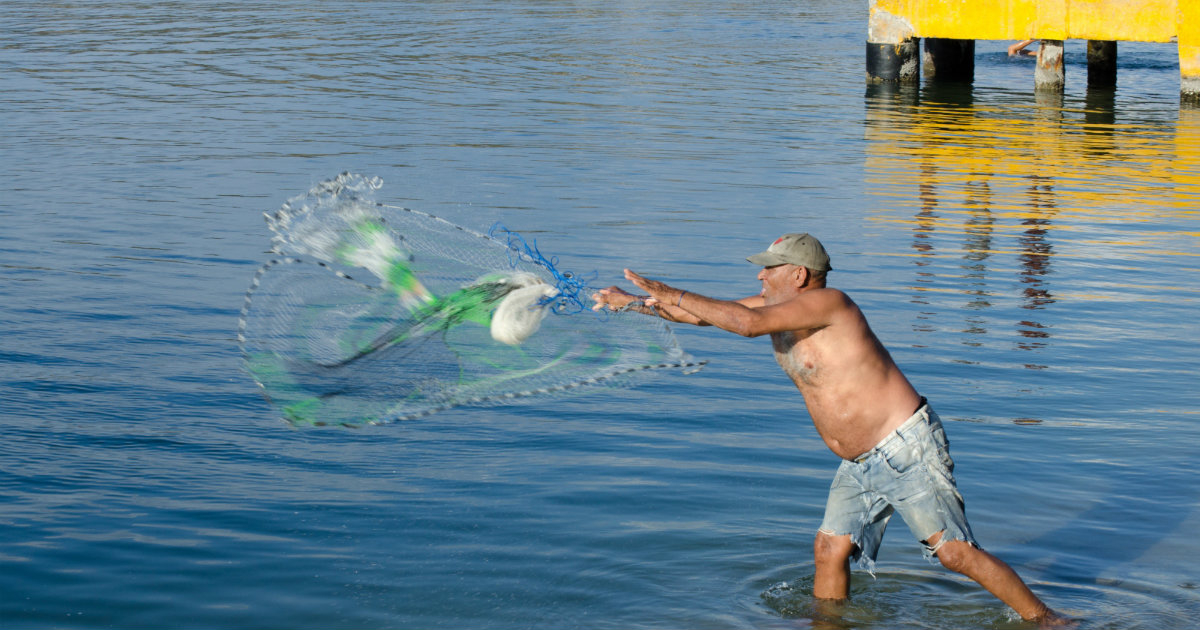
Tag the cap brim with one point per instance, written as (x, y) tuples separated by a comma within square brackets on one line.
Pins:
[(766, 259)]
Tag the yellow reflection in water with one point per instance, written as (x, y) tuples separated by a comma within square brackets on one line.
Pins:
[(1017, 189)]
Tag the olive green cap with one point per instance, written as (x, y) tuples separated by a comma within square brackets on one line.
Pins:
[(794, 249)]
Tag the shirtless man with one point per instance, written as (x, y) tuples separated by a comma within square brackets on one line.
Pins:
[(894, 452)]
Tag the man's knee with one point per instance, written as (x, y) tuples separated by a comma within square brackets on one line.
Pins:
[(957, 555), (828, 548)]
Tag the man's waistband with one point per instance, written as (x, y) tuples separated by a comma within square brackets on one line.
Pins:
[(920, 415)]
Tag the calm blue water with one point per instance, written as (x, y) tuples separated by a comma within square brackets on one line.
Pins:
[(1030, 261)]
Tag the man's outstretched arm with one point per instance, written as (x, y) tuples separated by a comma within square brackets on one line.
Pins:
[(616, 298), (749, 317)]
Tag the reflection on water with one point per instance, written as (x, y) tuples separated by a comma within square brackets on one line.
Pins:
[(1035, 255), (999, 196), (1046, 246)]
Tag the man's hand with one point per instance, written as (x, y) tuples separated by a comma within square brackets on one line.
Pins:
[(614, 298), (663, 300), (660, 292)]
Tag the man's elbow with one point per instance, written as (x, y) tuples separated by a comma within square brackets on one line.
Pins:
[(746, 327)]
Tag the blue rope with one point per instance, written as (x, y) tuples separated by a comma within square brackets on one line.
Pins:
[(572, 289)]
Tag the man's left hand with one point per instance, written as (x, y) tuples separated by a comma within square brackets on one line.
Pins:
[(660, 292)]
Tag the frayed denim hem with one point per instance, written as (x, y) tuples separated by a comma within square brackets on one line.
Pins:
[(865, 561), (948, 535)]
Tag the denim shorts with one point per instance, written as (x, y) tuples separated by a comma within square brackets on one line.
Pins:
[(910, 472)]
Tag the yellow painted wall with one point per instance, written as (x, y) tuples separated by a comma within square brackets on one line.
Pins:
[(1127, 20), (1189, 38)]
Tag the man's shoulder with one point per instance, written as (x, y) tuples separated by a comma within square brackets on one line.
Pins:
[(827, 296), (813, 310), (830, 291), (840, 311)]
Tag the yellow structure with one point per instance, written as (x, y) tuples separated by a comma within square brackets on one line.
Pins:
[(895, 22)]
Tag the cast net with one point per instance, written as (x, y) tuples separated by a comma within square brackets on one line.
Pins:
[(370, 313)]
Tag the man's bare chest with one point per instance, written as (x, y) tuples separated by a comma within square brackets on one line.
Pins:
[(798, 355)]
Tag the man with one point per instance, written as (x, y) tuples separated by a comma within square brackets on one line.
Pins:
[(1019, 49), (894, 452)]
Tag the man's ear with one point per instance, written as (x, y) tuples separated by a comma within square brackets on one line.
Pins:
[(802, 276)]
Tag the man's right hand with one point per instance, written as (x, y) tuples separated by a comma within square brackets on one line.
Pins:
[(615, 298)]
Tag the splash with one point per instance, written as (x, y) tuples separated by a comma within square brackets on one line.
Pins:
[(369, 314)]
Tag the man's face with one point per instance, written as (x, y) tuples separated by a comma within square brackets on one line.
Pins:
[(776, 280)]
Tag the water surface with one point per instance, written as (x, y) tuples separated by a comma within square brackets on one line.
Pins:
[(1030, 261)]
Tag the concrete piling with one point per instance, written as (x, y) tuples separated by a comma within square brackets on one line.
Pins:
[(892, 51), (1049, 74), (1102, 63), (893, 63), (949, 59)]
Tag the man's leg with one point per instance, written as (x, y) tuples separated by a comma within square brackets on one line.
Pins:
[(994, 575), (832, 556)]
